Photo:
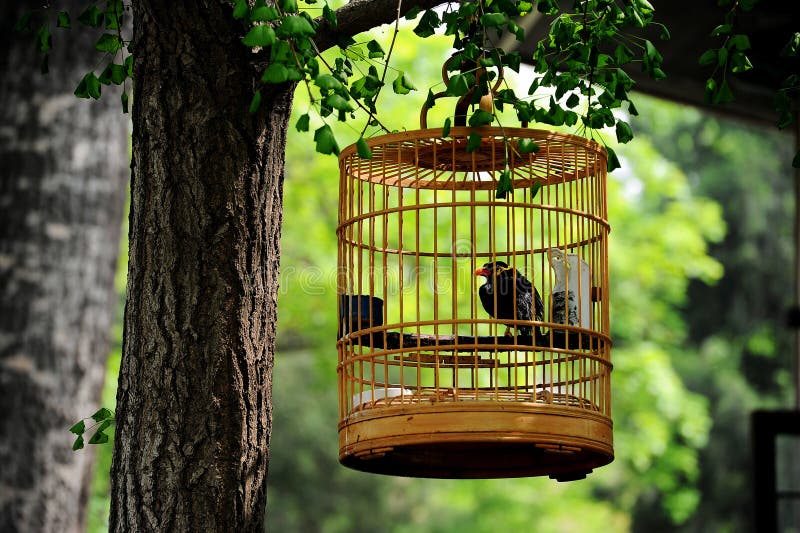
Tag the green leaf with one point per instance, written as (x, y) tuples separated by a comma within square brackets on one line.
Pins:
[(493, 20), (113, 73), (710, 90), (44, 40), (337, 101), (275, 73), (652, 53), (62, 20), (124, 98), (303, 122), (260, 35), (513, 60), (24, 22), (724, 94), (504, 185), (402, 85), (722, 29), (722, 56), (785, 120), (535, 188), (473, 142), (613, 161), (363, 150), (114, 14), (108, 43), (240, 9), (430, 101), (78, 428), (548, 7), (289, 6), (129, 66), (118, 73), (326, 142), (412, 13), (280, 52), (623, 54), (293, 74), (91, 17), (78, 444), (792, 46), (375, 49), (89, 87), (255, 103), (741, 63), (709, 57), (747, 5), (527, 146), (796, 160), (458, 86), (446, 128), (327, 82), (264, 14), (330, 15), (740, 42), (427, 24), (572, 101), (480, 118), (102, 414), (624, 132), (98, 438), (295, 26)]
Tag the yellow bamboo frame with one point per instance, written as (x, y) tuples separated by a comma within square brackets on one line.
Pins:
[(424, 206)]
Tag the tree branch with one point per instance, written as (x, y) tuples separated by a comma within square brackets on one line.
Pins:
[(362, 15)]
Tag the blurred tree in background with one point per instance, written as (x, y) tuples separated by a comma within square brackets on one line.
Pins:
[(63, 173), (699, 235), (736, 333)]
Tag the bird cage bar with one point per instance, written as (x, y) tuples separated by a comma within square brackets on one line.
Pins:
[(416, 221)]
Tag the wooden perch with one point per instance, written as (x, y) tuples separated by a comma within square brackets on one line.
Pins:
[(395, 340)]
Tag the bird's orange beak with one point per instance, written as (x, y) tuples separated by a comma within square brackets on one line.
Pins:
[(482, 272)]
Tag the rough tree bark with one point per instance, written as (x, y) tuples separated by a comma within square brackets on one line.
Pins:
[(63, 170), (193, 403), (194, 399)]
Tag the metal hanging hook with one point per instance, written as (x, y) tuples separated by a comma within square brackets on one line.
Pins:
[(486, 101)]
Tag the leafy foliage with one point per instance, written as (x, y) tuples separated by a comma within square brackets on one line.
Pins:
[(582, 61), (103, 419), (111, 43), (585, 54), (731, 57), (737, 343)]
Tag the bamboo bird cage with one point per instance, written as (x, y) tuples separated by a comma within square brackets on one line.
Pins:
[(429, 384)]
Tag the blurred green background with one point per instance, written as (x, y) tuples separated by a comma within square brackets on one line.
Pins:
[(701, 274)]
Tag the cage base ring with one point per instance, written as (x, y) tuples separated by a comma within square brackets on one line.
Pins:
[(443, 441)]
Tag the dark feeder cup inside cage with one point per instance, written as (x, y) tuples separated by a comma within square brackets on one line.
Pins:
[(357, 312)]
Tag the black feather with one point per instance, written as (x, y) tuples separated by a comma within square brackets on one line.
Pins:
[(514, 293)]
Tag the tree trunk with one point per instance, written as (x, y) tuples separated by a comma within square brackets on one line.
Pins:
[(194, 399), (63, 169)]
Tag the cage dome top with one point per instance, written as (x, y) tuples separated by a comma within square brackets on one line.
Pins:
[(424, 159)]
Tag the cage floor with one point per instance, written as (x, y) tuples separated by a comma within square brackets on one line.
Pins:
[(408, 397)]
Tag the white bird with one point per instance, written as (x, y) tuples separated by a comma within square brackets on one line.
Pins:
[(571, 294)]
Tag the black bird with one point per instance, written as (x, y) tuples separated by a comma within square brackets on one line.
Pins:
[(501, 281)]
